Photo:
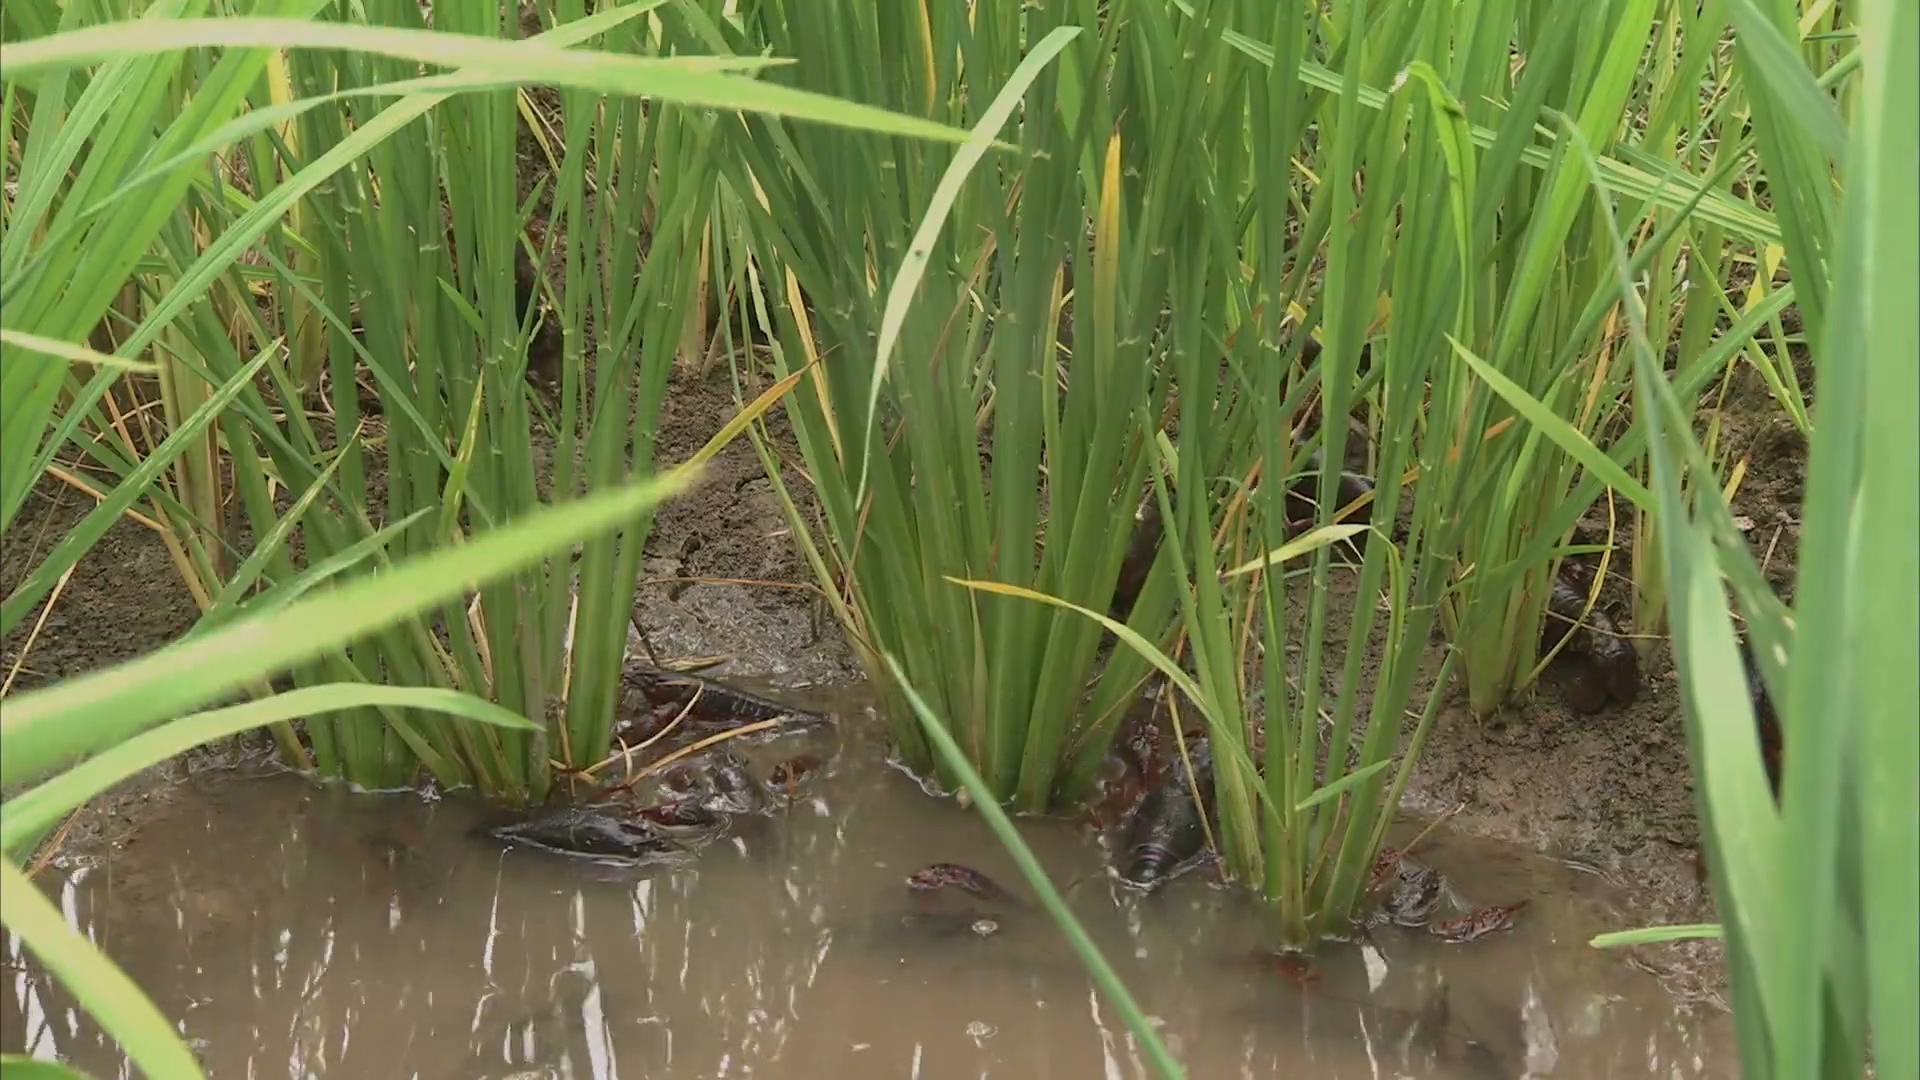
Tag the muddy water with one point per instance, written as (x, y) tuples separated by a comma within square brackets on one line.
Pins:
[(294, 930)]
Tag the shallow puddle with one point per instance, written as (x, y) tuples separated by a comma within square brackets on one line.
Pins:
[(301, 931)]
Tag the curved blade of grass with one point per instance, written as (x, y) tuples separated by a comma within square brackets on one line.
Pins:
[(1305, 544), (35, 345), (1233, 750), (1654, 935), (1553, 427), (39, 808), (1103, 974), (133, 1021), (255, 223), (522, 60), (1811, 109), (699, 81), (1671, 190), (1352, 779), (307, 580), (45, 728), (907, 280), (254, 121), (1129, 636), (1455, 136), (263, 553)]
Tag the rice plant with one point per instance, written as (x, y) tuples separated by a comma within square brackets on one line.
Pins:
[(138, 714), (925, 422), (116, 191), (1123, 249), (1248, 176), (400, 419), (1815, 891)]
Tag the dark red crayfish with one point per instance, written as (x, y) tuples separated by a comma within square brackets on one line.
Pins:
[(1168, 832), (1297, 967), (1414, 896), (943, 876), (982, 904), (1478, 924), (796, 770), (1303, 506), (1407, 890), (679, 814), (1599, 664), (1114, 796), (1141, 743), (1385, 866), (1142, 550), (607, 831), (717, 782), (1136, 759), (1766, 723), (682, 777), (651, 699), (731, 788)]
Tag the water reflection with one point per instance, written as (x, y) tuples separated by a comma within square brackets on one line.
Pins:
[(304, 932)]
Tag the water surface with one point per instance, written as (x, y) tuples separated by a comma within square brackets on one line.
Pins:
[(301, 931)]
